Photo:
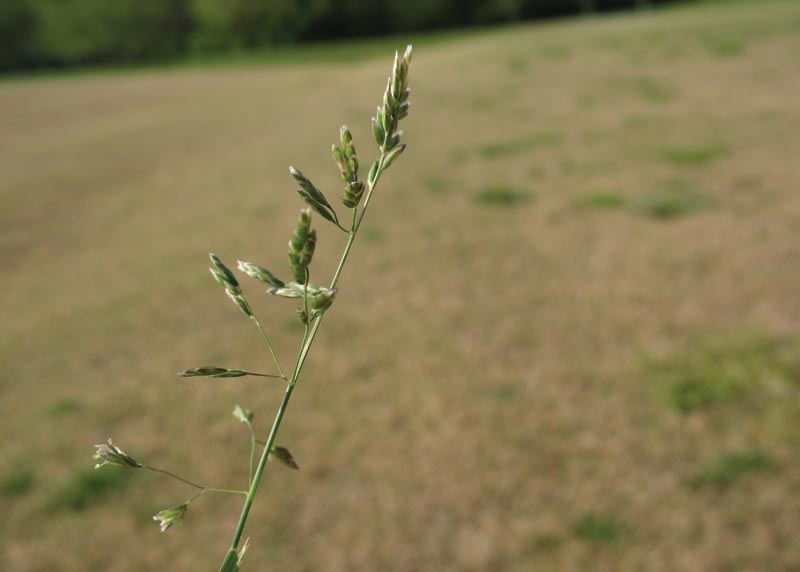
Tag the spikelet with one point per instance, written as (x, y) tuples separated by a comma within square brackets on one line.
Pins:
[(347, 161), (225, 277), (314, 197), (110, 454), (394, 108), (299, 250), (321, 301), (260, 273), (169, 516), (212, 371)]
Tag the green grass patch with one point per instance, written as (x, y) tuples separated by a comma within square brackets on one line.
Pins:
[(513, 146), (729, 468), (501, 393), (546, 542), (691, 156), (602, 200), (599, 529), (716, 371), (670, 200), (18, 482), (65, 407), (373, 234), (501, 195), (87, 488), (555, 52), (517, 64), (727, 46), (653, 90), (435, 185)]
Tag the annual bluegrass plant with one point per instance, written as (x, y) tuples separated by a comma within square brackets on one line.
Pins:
[(313, 299)]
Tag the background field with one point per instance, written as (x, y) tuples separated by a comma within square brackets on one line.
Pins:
[(567, 340)]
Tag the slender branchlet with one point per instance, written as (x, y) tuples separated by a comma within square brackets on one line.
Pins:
[(315, 300)]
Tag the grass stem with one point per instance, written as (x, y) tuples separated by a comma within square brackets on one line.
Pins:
[(305, 346)]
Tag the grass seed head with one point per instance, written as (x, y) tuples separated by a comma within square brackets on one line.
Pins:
[(243, 415), (169, 516), (307, 254), (298, 246), (110, 454), (395, 103), (347, 161), (211, 371), (223, 275), (237, 299), (283, 455), (322, 301), (260, 273)]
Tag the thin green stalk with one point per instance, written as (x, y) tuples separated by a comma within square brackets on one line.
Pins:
[(265, 375), (251, 494), (193, 484), (269, 345), (252, 453), (176, 477), (230, 491), (308, 340), (356, 225)]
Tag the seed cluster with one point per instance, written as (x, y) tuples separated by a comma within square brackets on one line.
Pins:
[(347, 161), (395, 107), (314, 197), (228, 281), (301, 246)]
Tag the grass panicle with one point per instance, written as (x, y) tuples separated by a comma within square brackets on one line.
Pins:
[(314, 301)]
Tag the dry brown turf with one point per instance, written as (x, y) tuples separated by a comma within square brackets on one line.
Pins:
[(566, 341)]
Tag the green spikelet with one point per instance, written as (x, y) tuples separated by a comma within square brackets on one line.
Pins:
[(211, 371), (260, 273), (395, 104), (228, 281), (347, 161), (314, 198), (322, 301), (298, 246), (224, 276), (308, 249)]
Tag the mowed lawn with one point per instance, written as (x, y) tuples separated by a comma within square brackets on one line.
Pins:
[(567, 340)]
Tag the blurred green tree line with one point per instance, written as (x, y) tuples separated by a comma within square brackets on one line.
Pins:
[(59, 33)]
